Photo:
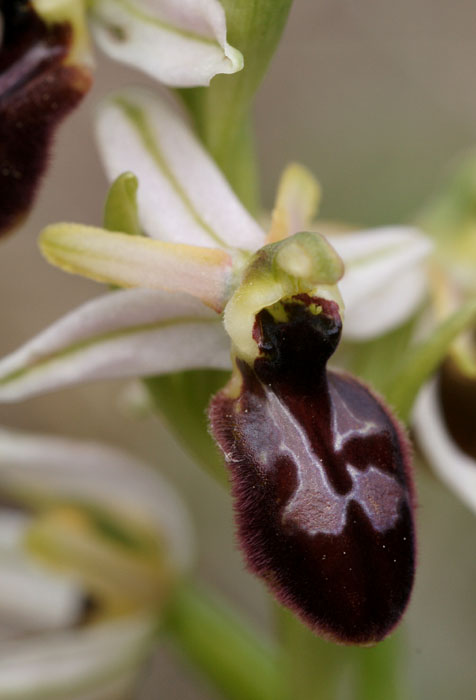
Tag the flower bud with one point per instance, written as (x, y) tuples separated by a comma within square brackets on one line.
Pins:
[(320, 473)]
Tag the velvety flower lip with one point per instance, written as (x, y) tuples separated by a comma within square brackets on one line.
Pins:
[(99, 525), (39, 86), (321, 478)]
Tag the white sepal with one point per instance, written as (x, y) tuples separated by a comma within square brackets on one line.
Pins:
[(384, 279), (181, 44), (455, 468), (129, 333), (99, 662)]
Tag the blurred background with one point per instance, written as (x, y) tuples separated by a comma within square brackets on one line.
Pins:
[(378, 99)]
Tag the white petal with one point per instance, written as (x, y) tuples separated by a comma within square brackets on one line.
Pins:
[(78, 665), (182, 195), (137, 261), (384, 279), (130, 333), (31, 597), (296, 202), (455, 468), (51, 467), (178, 43)]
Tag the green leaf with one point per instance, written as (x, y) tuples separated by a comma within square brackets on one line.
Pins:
[(182, 399), (375, 360), (453, 209), (120, 211), (423, 359), (221, 111)]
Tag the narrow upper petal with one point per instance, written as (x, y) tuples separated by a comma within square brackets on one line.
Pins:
[(90, 663), (42, 78), (455, 468), (128, 333), (182, 195), (31, 597), (296, 202), (47, 469), (384, 279), (136, 261), (178, 43)]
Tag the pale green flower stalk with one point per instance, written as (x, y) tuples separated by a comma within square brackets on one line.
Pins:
[(222, 113)]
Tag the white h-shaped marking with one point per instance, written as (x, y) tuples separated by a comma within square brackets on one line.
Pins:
[(314, 506)]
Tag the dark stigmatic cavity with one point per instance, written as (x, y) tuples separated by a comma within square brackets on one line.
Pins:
[(321, 479), (37, 89)]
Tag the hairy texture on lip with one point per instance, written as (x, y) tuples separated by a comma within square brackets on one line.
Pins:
[(321, 480), (36, 92)]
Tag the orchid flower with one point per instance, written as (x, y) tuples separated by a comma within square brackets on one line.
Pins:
[(90, 547), (444, 412), (283, 314), (46, 62), (183, 271)]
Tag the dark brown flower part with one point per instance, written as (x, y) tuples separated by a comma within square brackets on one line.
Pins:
[(37, 90), (321, 479), (457, 393)]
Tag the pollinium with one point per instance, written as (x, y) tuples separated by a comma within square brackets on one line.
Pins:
[(320, 474)]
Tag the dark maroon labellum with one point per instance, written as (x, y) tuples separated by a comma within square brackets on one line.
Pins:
[(321, 479), (36, 91)]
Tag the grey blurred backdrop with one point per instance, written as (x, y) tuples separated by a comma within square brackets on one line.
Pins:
[(378, 98)]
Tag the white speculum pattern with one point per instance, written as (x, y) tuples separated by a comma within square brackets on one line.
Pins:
[(315, 507)]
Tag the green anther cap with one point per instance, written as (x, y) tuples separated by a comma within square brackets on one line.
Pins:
[(306, 259), (302, 264)]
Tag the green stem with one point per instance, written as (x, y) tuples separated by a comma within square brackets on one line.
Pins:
[(377, 672), (229, 653), (313, 669), (318, 670), (221, 111)]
